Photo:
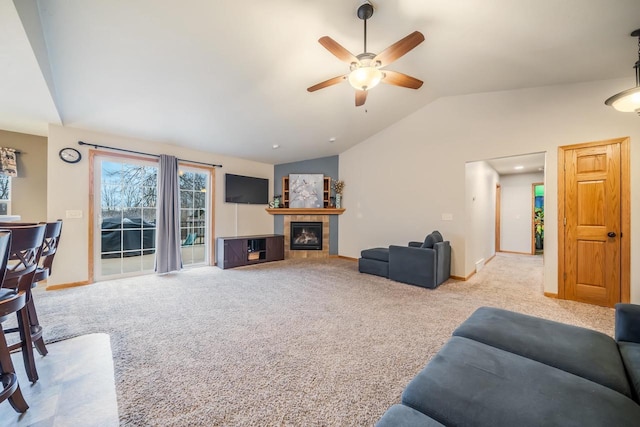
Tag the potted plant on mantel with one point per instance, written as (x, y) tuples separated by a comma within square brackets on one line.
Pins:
[(338, 188)]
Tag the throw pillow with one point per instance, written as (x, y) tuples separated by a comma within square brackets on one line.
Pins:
[(436, 234), (429, 241)]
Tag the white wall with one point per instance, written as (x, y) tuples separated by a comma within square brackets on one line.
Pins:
[(400, 181), (480, 208), (68, 189), (516, 211)]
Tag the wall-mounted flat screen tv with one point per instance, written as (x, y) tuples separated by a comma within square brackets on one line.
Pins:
[(246, 189)]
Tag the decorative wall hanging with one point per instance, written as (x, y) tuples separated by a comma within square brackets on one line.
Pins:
[(306, 190), (8, 163)]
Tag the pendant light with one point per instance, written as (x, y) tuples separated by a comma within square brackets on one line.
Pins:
[(628, 101)]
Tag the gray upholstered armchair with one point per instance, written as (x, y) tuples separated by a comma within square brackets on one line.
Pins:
[(426, 264)]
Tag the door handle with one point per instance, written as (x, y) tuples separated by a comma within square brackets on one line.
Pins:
[(611, 234)]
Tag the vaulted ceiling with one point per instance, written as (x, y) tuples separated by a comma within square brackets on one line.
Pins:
[(230, 76)]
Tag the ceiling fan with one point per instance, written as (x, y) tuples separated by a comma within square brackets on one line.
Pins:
[(366, 68)]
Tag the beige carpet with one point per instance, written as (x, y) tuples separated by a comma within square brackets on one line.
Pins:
[(292, 343)]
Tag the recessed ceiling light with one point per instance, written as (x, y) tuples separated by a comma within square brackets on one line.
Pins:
[(275, 146), (332, 139), (518, 167)]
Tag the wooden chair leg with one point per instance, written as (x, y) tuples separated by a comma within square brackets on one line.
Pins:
[(16, 400), (39, 344), (36, 329), (9, 380), (27, 345)]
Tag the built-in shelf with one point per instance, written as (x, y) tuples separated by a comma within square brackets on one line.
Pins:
[(305, 211), (326, 192)]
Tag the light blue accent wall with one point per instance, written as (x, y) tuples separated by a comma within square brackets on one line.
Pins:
[(328, 166)]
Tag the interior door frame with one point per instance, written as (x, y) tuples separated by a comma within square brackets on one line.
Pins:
[(625, 214)]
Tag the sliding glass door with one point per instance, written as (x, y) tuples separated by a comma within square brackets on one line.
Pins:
[(124, 199)]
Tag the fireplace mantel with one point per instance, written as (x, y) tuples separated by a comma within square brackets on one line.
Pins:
[(305, 211)]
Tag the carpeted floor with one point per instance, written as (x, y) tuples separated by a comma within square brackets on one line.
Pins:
[(292, 343)]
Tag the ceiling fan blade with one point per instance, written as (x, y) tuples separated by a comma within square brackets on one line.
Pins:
[(398, 79), (399, 48), (336, 48), (361, 97), (327, 83)]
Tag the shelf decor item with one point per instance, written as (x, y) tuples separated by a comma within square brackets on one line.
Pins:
[(338, 187)]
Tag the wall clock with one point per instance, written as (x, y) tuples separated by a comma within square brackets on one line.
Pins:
[(70, 155)]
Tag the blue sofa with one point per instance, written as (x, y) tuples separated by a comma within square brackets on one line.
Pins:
[(502, 368), (426, 264)]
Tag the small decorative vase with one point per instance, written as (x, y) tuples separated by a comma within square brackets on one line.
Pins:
[(338, 201)]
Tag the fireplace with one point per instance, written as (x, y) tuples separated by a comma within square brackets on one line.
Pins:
[(306, 236)]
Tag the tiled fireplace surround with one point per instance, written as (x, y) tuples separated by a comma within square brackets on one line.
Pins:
[(288, 253)]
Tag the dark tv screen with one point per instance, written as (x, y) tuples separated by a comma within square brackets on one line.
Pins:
[(246, 189)]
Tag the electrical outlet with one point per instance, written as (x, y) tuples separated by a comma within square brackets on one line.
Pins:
[(447, 217)]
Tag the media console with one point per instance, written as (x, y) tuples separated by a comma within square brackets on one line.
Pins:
[(246, 250)]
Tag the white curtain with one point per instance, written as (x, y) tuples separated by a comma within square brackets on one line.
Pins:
[(168, 255)]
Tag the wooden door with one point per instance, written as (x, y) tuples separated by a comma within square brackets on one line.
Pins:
[(592, 223)]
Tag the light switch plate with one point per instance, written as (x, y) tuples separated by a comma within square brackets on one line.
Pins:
[(447, 217), (74, 214)]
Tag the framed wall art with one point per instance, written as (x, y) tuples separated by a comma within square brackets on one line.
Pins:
[(306, 190)]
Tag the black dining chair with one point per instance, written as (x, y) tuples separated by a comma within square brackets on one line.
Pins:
[(24, 255), (52, 233), (10, 302)]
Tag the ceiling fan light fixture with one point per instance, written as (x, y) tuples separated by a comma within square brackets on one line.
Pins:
[(628, 101), (365, 78), (365, 70)]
